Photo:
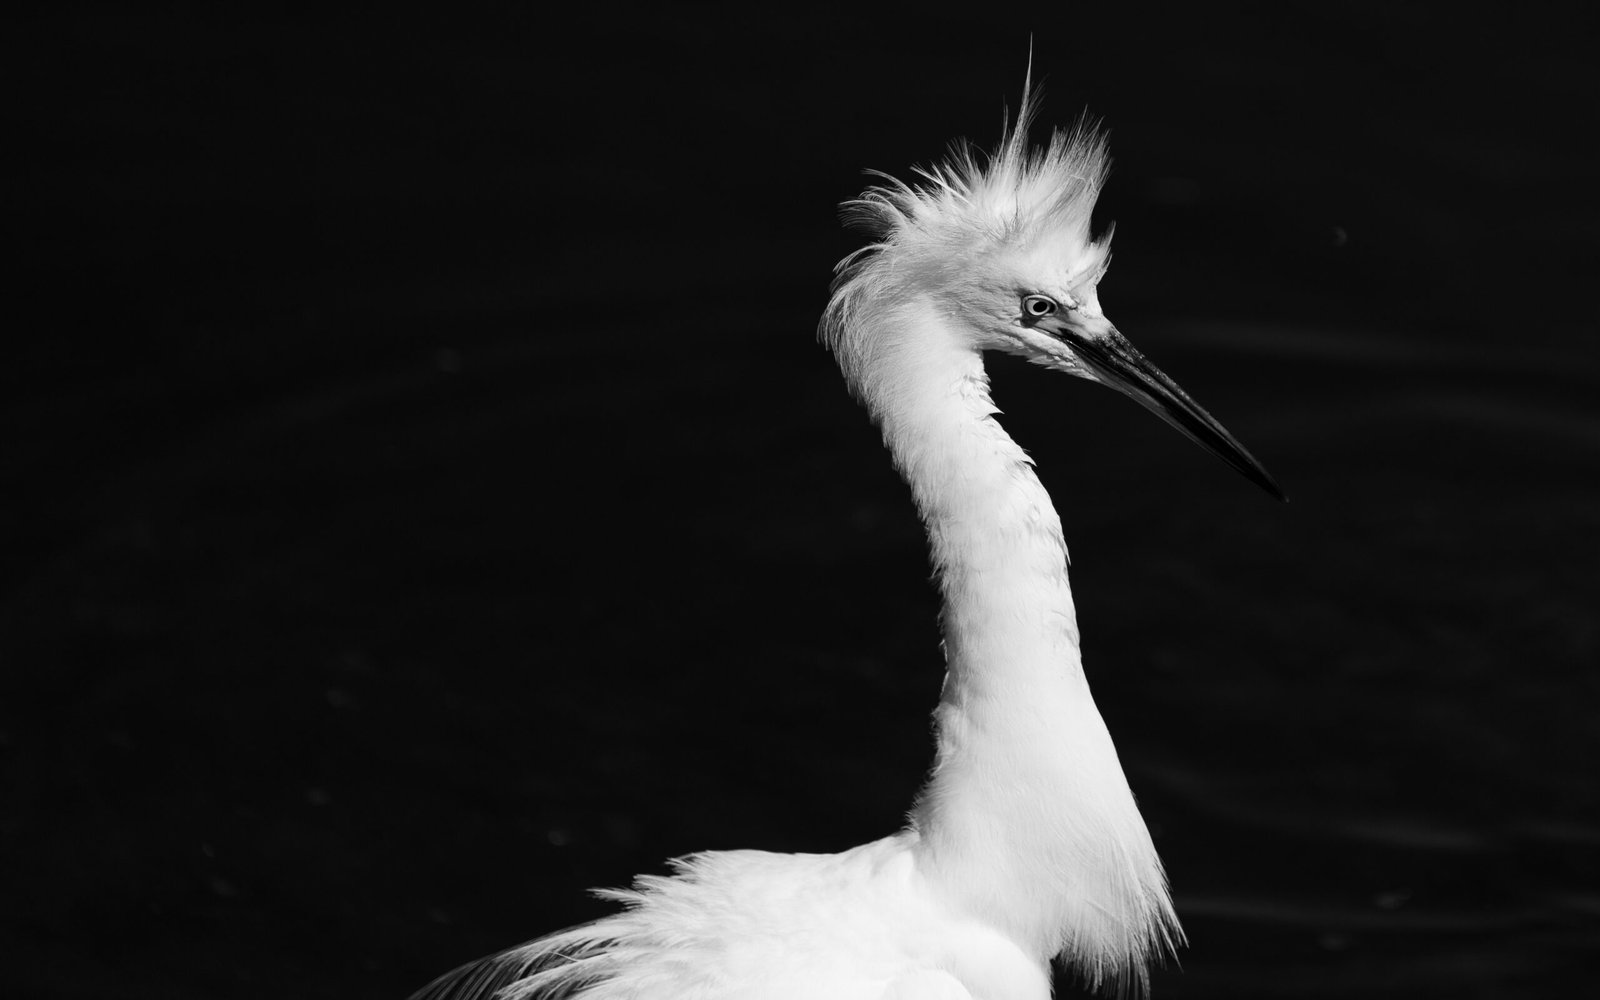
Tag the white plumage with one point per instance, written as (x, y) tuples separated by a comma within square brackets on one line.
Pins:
[(1025, 844)]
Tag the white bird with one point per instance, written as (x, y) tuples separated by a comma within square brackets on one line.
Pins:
[(1025, 844)]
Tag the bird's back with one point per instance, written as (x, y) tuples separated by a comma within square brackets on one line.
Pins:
[(752, 925)]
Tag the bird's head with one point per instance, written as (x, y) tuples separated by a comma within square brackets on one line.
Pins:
[(1002, 249)]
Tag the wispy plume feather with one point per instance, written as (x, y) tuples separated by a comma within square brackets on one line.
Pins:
[(966, 212)]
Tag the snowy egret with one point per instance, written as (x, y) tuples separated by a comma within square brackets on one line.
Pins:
[(1025, 844)]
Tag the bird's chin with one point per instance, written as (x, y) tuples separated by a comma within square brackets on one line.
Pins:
[(1050, 354), (1067, 365)]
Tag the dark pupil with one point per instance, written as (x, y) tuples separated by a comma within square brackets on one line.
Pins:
[(1038, 307)]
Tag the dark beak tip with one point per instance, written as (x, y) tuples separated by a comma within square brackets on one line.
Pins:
[(1264, 479), (1268, 483)]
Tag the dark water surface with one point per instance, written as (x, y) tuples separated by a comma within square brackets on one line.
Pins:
[(423, 498)]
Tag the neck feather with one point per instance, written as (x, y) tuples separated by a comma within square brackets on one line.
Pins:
[(1026, 821)]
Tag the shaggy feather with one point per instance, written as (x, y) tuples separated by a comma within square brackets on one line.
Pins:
[(970, 225)]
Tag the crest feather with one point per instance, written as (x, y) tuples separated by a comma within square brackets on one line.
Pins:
[(970, 207), (1017, 193)]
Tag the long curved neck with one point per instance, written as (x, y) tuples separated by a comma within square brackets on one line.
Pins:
[(1026, 821)]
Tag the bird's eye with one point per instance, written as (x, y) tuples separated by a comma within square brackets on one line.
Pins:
[(1038, 306)]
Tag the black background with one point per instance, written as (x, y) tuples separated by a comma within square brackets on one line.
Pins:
[(424, 498)]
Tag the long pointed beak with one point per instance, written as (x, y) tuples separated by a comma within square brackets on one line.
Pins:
[(1118, 364)]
